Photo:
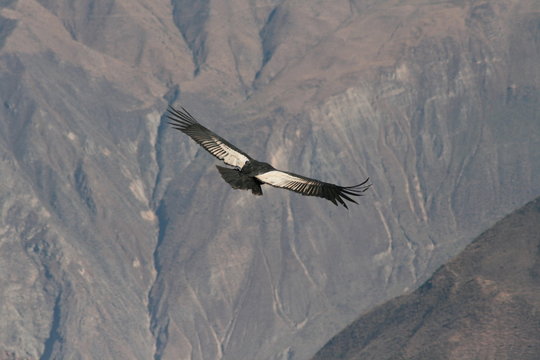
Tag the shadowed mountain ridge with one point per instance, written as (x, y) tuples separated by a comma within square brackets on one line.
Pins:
[(483, 304)]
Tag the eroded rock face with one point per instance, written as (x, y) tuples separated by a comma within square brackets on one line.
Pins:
[(120, 240)]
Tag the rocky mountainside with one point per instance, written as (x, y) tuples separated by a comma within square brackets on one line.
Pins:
[(484, 304), (118, 238)]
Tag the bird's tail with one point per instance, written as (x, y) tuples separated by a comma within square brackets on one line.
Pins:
[(237, 180)]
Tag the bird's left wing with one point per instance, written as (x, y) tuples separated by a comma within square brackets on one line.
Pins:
[(213, 143), (311, 187)]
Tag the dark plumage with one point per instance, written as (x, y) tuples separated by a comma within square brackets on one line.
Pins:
[(250, 174)]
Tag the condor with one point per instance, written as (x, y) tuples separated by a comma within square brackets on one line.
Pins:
[(250, 174)]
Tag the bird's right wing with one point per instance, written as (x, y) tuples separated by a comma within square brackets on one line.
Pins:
[(312, 187), (213, 143)]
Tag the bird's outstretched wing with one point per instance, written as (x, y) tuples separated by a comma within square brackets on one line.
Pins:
[(213, 143), (311, 187)]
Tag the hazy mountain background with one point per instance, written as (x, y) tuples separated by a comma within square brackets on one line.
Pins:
[(484, 304), (118, 238)]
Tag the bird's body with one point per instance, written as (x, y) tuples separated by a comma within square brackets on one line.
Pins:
[(250, 174), (254, 168)]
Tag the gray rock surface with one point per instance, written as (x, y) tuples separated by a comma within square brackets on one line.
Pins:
[(484, 304), (118, 238)]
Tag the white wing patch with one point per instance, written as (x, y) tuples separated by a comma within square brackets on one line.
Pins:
[(228, 155), (281, 179)]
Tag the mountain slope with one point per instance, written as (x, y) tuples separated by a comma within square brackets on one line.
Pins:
[(484, 304), (118, 238)]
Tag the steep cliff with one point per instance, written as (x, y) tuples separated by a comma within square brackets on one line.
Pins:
[(119, 239)]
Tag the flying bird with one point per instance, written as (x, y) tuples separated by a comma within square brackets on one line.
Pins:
[(249, 174)]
